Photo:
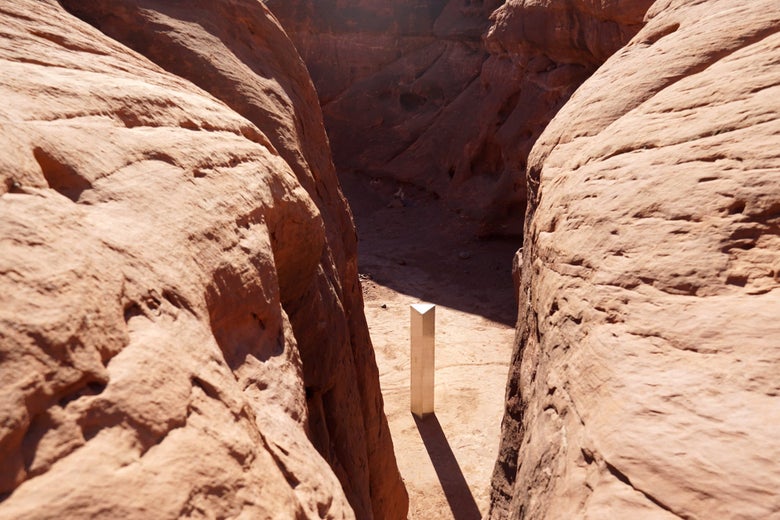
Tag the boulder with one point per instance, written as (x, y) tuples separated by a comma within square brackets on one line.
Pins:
[(181, 318), (644, 381)]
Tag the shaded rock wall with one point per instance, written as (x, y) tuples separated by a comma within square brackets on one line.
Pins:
[(451, 95), (644, 382), (181, 321)]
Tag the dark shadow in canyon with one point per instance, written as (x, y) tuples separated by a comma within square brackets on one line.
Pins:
[(411, 242), (454, 484)]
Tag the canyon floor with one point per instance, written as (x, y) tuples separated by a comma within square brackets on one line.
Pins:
[(413, 249)]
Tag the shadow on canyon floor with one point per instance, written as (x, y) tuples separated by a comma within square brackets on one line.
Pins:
[(456, 489), (413, 248), (412, 243)]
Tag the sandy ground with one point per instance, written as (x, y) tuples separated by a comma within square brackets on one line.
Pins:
[(412, 250)]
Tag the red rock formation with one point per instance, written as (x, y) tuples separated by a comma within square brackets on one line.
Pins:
[(181, 318), (414, 91), (645, 377)]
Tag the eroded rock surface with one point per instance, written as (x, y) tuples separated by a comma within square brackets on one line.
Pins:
[(181, 321), (645, 379), (451, 95)]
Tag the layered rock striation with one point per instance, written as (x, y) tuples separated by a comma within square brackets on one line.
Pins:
[(451, 95), (181, 320), (644, 382)]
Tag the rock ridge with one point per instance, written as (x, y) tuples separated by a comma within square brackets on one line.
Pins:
[(642, 381), (175, 245)]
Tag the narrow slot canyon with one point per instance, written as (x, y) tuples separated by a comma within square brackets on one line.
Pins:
[(215, 215), (419, 251), (431, 109)]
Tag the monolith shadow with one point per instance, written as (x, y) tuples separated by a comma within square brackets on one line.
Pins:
[(454, 484)]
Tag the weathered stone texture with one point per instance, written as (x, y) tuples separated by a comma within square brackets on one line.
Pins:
[(181, 320), (451, 95), (644, 383)]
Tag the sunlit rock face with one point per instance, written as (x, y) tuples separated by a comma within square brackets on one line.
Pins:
[(644, 383), (181, 321), (451, 95)]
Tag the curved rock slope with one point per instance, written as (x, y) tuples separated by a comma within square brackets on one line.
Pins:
[(181, 323), (451, 95), (644, 383)]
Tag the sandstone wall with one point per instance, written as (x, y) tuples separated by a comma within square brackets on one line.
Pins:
[(451, 95), (644, 381), (181, 321)]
